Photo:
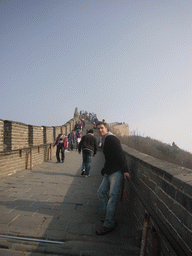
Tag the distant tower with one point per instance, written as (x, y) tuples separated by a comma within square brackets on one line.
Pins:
[(76, 112)]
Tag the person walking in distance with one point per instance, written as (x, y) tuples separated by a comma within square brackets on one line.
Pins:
[(77, 128), (115, 168), (61, 143), (88, 145), (71, 140), (78, 139)]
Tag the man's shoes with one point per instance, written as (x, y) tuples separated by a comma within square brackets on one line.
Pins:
[(62, 161), (83, 172), (87, 175), (58, 162), (104, 230)]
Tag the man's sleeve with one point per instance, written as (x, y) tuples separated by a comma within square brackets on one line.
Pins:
[(56, 141), (119, 154), (80, 144), (95, 146)]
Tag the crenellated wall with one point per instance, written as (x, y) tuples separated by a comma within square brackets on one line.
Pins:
[(15, 135), (23, 146), (120, 129), (35, 135), (48, 133), (58, 129)]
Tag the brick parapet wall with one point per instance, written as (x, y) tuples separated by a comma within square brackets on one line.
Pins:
[(120, 129), (10, 163), (37, 135), (48, 134), (15, 135), (167, 189), (21, 137), (112, 124), (72, 122), (14, 161), (67, 128), (7, 136), (58, 130)]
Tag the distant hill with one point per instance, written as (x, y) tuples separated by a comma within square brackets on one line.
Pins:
[(170, 153)]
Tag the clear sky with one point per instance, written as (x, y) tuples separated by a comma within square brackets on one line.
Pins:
[(125, 60)]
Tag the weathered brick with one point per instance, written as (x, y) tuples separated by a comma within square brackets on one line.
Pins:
[(20, 137), (169, 196)]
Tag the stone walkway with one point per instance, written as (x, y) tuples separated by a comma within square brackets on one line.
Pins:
[(53, 210)]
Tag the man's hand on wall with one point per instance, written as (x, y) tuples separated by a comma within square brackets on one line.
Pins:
[(126, 175)]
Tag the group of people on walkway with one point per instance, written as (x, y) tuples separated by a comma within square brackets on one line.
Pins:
[(115, 169), (64, 142)]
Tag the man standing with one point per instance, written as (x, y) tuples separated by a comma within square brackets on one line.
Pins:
[(114, 169), (77, 128), (71, 139), (88, 145), (61, 143)]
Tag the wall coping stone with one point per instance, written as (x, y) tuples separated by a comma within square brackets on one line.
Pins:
[(48, 126), (179, 176), (15, 122)]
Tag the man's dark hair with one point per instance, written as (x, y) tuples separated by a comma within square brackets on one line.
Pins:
[(90, 131), (102, 123)]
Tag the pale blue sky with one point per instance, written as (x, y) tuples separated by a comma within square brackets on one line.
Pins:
[(125, 60)]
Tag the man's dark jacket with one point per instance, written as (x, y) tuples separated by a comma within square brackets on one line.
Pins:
[(89, 143), (115, 159)]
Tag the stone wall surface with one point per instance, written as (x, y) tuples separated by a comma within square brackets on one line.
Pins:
[(7, 135), (10, 163), (24, 146), (112, 124), (67, 128), (37, 135), (14, 161), (58, 130), (15, 135), (19, 135), (48, 134), (167, 190), (120, 129)]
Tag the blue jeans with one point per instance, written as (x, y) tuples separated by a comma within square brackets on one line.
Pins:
[(109, 195), (62, 149), (77, 131), (71, 142), (87, 157)]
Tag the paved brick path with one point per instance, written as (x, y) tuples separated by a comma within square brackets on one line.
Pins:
[(55, 204)]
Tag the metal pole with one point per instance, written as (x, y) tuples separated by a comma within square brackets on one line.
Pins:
[(30, 158), (32, 239), (26, 163)]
